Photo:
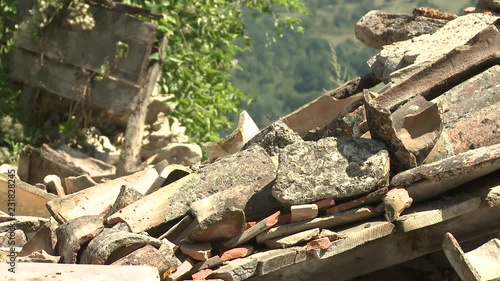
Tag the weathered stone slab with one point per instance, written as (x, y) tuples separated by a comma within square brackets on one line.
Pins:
[(303, 212), (252, 168), (274, 138), (377, 29), (330, 168), (428, 47)]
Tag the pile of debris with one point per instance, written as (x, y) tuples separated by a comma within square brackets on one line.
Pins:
[(350, 183)]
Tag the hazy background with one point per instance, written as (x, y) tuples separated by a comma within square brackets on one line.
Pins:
[(297, 68)]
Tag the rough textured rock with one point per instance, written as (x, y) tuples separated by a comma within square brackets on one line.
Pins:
[(330, 168), (489, 5), (274, 137), (428, 47), (377, 29)]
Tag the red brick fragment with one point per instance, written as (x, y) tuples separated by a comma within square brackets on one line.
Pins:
[(202, 274), (320, 243), (236, 253)]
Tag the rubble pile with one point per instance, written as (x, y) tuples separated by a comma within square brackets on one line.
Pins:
[(351, 183)]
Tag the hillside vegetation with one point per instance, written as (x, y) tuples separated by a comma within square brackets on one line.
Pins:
[(298, 67)]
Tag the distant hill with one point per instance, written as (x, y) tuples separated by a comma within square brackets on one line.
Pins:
[(297, 68)]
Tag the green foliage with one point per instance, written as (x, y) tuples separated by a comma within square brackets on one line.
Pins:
[(11, 130), (203, 37)]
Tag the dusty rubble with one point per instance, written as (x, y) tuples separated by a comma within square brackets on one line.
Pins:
[(351, 183)]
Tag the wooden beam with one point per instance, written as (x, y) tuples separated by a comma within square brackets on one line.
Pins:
[(62, 272), (399, 247), (36, 163), (93, 49), (30, 200), (71, 82)]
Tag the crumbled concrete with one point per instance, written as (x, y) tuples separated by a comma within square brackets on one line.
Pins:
[(330, 168)]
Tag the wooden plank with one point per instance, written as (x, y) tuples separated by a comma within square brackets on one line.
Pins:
[(37, 163), (399, 247), (92, 48), (329, 221), (30, 200), (69, 82), (390, 250), (436, 212), (78, 272), (356, 236), (129, 157)]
